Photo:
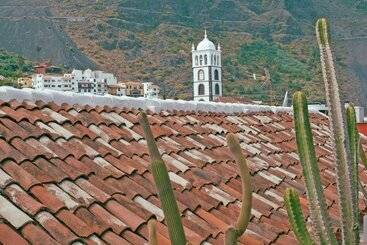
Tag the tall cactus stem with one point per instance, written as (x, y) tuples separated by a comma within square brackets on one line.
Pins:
[(353, 137), (306, 152), (349, 225), (152, 230), (163, 184), (295, 217), (230, 236), (245, 212)]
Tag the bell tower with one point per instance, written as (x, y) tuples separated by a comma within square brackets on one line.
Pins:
[(207, 70)]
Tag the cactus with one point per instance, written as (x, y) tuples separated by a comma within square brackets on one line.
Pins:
[(152, 230), (233, 233), (345, 185), (163, 184), (168, 201), (353, 138), (310, 169), (296, 219)]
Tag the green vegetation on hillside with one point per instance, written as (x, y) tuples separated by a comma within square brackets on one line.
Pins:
[(12, 65), (282, 65), (151, 41), (288, 71)]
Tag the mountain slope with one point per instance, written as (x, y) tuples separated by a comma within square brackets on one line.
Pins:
[(151, 40), (29, 28)]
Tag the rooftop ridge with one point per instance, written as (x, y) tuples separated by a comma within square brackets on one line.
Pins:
[(155, 105)]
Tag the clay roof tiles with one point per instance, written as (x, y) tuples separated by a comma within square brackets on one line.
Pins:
[(74, 173)]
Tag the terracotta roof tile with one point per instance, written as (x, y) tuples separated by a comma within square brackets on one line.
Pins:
[(25, 179), (21, 198), (47, 198), (9, 236), (112, 238), (74, 173), (36, 235), (92, 223), (74, 223), (56, 229), (105, 217)]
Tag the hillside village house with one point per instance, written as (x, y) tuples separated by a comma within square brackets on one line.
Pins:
[(75, 169), (134, 89), (25, 82), (118, 89), (87, 81), (95, 82), (151, 91)]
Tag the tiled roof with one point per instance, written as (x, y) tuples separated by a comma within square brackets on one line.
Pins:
[(80, 173)]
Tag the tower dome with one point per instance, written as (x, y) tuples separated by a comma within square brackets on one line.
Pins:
[(206, 44)]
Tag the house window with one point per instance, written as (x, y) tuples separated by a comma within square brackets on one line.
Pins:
[(205, 59), (217, 89), (201, 75), (201, 89), (216, 75)]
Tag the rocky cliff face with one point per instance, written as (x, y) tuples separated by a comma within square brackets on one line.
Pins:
[(30, 29)]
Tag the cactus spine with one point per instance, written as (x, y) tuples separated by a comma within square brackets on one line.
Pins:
[(344, 171), (295, 216), (310, 170), (152, 230), (233, 233), (163, 184)]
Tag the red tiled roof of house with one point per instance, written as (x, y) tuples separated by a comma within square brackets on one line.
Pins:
[(81, 173)]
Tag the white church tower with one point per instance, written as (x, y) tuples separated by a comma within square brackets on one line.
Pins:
[(207, 71)]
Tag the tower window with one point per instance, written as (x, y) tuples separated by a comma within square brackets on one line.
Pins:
[(201, 75), (201, 89), (216, 75), (205, 59), (215, 60), (201, 60), (211, 58), (217, 89), (196, 60)]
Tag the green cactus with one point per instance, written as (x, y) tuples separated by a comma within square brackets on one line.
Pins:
[(344, 166), (233, 233), (353, 137), (306, 152), (152, 230), (163, 184), (231, 236), (296, 219)]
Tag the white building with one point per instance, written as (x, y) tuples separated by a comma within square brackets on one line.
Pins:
[(54, 82), (151, 91), (207, 71), (87, 81)]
